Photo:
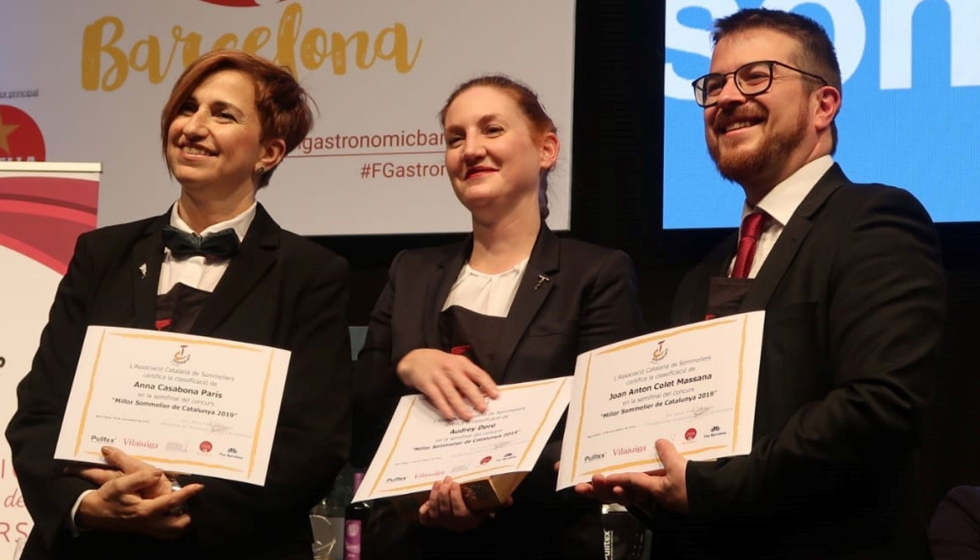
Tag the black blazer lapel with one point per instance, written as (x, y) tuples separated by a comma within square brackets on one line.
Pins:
[(257, 254), (693, 296), (437, 289), (533, 290), (790, 240), (720, 259), (146, 265)]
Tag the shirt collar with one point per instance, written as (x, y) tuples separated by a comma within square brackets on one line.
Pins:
[(783, 200), (239, 223), (467, 270)]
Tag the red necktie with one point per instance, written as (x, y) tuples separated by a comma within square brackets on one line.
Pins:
[(751, 228)]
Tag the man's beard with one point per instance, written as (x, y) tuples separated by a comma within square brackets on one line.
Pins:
[(745, 166)]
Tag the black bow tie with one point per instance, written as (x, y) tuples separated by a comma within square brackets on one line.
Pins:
[(219, 245)]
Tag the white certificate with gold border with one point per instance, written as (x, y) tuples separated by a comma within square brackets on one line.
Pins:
[(693, 385), (183, 403), (420, 447)]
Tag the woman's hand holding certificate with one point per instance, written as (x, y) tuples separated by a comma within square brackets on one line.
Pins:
[(180, 402)]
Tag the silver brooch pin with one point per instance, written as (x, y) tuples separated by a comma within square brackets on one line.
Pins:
[(541, 280), (142, 270)]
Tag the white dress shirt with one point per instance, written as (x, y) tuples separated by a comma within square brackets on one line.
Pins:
[(193, 272), (487, 294), (781, 202), (198, 272)]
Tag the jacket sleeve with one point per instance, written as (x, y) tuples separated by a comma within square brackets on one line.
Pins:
[(875, 350), (313, 434), (377, 387), (611, 312)]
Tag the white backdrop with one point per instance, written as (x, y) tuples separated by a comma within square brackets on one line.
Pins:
[(28, 288), (94, 75), (42, 211)]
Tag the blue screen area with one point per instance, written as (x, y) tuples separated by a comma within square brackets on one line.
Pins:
[(910, 114)]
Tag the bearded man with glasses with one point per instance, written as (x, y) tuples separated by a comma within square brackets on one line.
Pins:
[(852, 283)]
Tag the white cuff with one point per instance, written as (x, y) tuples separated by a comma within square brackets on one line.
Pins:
[(72, 526)]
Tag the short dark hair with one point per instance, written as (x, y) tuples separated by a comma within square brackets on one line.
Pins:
[(527, 100), (283, 105), (816, 53)]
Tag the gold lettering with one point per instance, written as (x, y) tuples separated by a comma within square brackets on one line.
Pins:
[(363, 41), (226, 41), (256, 39), (92, 50), (292, 17), (313, 49), (399, 48), (102, 39), (192, 45), (151, 65)]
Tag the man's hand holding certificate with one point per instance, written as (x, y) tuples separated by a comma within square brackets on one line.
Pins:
[(693, 385), (420, 447), (179, 402)]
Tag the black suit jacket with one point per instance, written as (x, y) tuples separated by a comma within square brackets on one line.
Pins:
[(954, 530), (280, 290), (854, 296), (588, 300)]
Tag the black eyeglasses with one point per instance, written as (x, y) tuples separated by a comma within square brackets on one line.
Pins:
[(753, 78)]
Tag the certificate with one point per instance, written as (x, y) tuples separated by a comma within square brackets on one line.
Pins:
[(693, 385), (183, 403), (487, 455)]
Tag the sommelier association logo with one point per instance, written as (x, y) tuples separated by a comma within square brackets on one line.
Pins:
[(659, 353), (181, 356), (20, 137)]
